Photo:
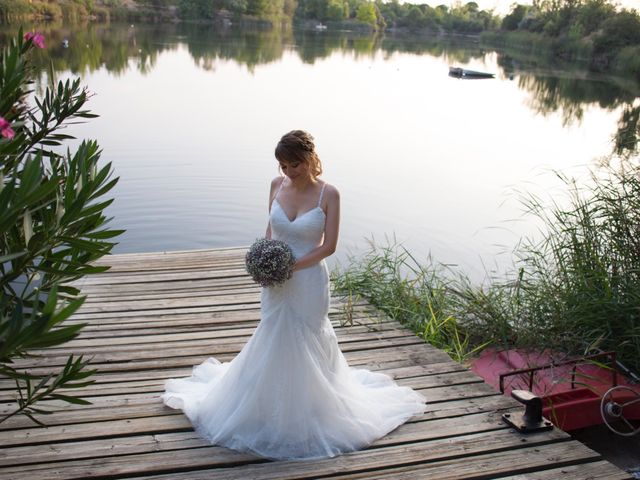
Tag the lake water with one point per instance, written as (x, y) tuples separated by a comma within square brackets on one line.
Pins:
[(190, 115)]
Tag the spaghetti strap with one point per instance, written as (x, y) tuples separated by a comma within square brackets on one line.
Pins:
[(279, 188), (321, 192)]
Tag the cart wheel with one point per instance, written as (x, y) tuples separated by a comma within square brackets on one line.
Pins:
[(612, 411)]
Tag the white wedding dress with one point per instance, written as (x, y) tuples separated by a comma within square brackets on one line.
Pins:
[(290, 394)]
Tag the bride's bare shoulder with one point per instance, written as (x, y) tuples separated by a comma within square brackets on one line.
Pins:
[(331, 191), (275, 183)]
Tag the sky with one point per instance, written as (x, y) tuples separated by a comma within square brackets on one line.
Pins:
[(504, 6)]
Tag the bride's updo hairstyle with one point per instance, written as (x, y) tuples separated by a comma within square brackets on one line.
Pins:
[(298, 146)]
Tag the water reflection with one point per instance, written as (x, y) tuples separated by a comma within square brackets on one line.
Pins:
[(570, 93), (249, 47), (627, 138), (118, 48)]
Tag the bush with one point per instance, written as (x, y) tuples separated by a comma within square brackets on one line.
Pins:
[(513, 19), (52, 226), (628, 61), (11, 10), (618, 32), (74, 11)]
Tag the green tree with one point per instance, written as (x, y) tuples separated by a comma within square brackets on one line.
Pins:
[(196, 9), (257, 7), (52, 226), (415, 17), (366, 13), (336, 10), (593, 13), (513, 19), (619, 31)]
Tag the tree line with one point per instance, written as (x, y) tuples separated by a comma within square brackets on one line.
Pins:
[(596, 31), (593, 30), (376, 14)]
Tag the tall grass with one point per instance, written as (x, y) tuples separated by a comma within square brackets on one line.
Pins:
[(416, 295), (576, 290), (581, 283)]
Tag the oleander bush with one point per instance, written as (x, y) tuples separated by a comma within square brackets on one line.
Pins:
[(52, 227)]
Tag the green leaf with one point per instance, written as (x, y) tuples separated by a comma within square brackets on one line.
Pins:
[(12, 256), (69, 399)]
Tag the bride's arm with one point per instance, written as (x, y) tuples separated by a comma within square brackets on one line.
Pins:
[(275, 183), (331, 228)]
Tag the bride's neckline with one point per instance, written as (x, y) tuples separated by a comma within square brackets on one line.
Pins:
[(317, 207), (298, 216)]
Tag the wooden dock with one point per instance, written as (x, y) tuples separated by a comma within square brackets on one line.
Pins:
[(153, 316)]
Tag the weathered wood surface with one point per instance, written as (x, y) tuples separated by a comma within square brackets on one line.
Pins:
[(153, 316)]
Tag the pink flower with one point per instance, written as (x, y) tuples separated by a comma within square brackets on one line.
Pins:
[(8, 132), (5, 129), (36, 37)]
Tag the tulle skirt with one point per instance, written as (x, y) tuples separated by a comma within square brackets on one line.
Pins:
[(290, 394)]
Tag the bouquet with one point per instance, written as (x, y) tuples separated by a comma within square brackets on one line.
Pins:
[(269, 262)]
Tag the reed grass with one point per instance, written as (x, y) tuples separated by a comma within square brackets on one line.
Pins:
[(576, 290), (416, 295)]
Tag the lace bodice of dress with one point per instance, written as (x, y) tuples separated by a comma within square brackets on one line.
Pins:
[(303, 233)]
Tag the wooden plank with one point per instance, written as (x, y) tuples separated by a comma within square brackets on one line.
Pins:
[(157, 385), (476, 449), (352, 334), (586, 471), (102, 378), (485, 467), (143, 268), (216, 319), (347, 341), (434, 394), (417, 429), (140, 267), (215, 306), (163, 277), (106, 447), (117, 291), (482, 433), (396, 356), (204, 325), (168, 422), (163, 255), (169, 303), (132, 317), (98, 317), (142, 262), (209, 349), (221, 307), (72, 414), (98, 300), (450, 406)]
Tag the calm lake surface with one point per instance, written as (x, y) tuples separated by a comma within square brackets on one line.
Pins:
[(190, 116)]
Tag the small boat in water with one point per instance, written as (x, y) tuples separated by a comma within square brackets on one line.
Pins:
[(464, 73)]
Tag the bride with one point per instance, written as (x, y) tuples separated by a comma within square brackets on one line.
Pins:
[(290, 394)]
